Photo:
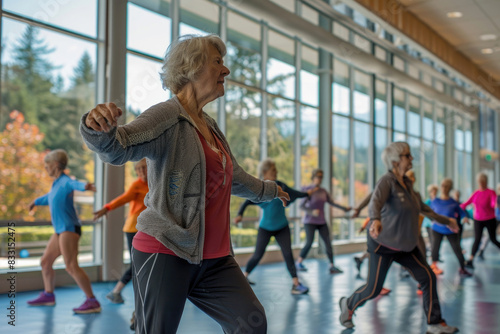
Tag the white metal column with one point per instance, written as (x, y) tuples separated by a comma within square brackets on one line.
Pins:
[(113, 175), (263, 86)]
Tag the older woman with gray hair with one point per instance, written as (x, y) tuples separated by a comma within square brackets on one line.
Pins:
[(393, 236), (68, 230), (485, 201), (182, 249), (447, 206)]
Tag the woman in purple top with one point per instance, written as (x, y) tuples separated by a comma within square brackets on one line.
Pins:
[(314, 219), (484, 201), (447, 206)]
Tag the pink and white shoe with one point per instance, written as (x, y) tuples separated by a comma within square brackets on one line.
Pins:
[(44, 299), (91, 305)]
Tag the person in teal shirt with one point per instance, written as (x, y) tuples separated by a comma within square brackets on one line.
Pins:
[(274, 223)]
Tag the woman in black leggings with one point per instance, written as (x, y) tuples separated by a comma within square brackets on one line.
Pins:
[(274, 224), (393, 237), (447, 206), (484, 201), (314, 219)]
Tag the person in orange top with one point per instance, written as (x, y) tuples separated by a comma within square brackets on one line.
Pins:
[(135, 196)]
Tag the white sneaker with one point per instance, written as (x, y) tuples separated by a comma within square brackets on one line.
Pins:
[(345, 315), (441, 328)]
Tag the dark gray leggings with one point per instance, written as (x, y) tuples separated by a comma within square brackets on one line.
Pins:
[(324, 233), (127, 276), (162, 283), (283, 239), (454, 240), (381, 259)]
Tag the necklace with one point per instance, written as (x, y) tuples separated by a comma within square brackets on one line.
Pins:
[(219, 152)]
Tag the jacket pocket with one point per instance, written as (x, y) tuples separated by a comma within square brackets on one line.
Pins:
[(190, 209)]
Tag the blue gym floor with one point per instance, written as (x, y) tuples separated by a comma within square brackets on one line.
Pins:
[(472, 304)]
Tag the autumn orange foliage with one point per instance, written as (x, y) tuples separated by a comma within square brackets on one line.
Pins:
[(23, 177)]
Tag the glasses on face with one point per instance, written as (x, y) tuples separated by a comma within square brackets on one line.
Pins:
[(407, 155)]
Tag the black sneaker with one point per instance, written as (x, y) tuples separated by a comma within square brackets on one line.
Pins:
[(469, 264), (335, 270), (358, 263)]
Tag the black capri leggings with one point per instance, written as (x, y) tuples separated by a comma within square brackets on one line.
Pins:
[(454, 240), (284, 241), (479, 225), (324, 233)]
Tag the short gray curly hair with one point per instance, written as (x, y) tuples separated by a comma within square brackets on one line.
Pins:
[(185, 59), (392, 153)]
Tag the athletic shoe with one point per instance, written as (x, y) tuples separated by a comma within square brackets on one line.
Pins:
[(250, 282), (299, 289), (345, 315), (359, 262), (132, 321), (464, 272), (469, 264), (385, 292), (436, 269), (44, 299), (91, 305), (335, 270), (481, 254), (300, 266), (419, 291), (441, 328), (115, 298)]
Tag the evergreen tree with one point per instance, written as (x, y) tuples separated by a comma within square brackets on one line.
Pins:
[(29, 85), (84, 71), (30, 55)]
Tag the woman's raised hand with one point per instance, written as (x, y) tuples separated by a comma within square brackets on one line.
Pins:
[(104, 117), (99, 213)]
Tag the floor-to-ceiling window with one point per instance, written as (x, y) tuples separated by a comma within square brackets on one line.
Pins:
[(380, 120), (48, 81), (270, 109), (341, 129)]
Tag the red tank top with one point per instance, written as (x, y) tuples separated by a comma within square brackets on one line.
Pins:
[(217, 198)]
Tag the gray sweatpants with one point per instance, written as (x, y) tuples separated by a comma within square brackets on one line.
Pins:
[(381, 259), (162, 283)]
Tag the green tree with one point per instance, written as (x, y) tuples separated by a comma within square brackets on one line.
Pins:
[(29, 85), (77, 100), (30, 78), (243, 110)]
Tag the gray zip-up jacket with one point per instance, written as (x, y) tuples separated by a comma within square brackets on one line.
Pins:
[(166, 136), (398, 210)]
